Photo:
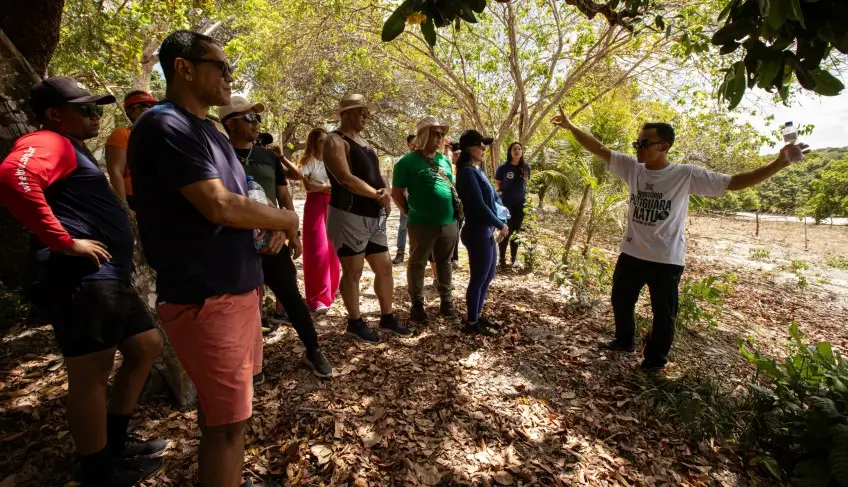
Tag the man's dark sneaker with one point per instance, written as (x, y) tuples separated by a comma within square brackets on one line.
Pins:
[(618, 346), (361, 331), (477, 329), (398, 260), (281, 318), (129, 472), (390, 324), (136, 447), (417, 313), (317, 363), (651, 368), (489, 324), (447, 310), (258, 379)]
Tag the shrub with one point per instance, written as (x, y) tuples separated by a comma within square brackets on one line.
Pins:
[(701, 301), (760, 254), (585, 279), (802, 421)]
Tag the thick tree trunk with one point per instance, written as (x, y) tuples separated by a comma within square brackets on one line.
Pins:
[(16, 78), (577, 220), (33, 27)]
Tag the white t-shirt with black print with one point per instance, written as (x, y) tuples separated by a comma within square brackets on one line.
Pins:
[(658, 205), (316, 170)]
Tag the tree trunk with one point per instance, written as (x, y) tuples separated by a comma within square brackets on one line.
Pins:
[(33, 27), (149, 58), (577, 220), (16, 119), (543, 191)]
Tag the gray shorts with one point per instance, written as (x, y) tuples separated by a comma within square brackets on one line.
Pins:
[(354, 234)]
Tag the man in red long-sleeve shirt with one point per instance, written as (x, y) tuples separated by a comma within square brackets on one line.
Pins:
[(52, 185)]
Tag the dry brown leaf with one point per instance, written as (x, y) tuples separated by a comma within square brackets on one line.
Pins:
[(8, 481), (322, 452), (370, 439), (13, 436), (503, 477)]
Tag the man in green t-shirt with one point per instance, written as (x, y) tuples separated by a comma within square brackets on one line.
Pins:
[(426, 176)]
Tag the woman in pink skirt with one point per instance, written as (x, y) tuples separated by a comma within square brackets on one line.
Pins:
[(321, 271)]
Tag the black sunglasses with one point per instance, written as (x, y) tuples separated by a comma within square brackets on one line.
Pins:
[(644, 144), (87, 111), (226, 69), (438, 135), (249, 117)]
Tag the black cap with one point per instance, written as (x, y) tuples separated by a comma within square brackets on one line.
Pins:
[(55, 91), (471, 138)]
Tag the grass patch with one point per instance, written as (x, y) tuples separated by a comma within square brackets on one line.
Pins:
[(760, 254), (838, 263)]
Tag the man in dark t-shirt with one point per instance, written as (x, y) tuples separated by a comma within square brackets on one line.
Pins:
[(356, 218), (196, 226), (51, 183), (242, 120)]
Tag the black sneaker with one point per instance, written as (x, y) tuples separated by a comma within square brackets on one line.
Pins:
[(618, 346), (390, 324), (317, 363), (258, 379), (489, 324), (417, 313), (651, 368), (362, 332), (136, 447), (398, 260), (281, 318), (447, 310), (129, 472), (477, 329)]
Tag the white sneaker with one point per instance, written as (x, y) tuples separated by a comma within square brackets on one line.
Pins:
[(321, 309)]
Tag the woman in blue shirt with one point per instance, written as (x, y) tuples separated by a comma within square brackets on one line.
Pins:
[(479, 202), (511, 178)]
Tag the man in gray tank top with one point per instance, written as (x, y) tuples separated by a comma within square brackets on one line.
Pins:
[(356, 218)]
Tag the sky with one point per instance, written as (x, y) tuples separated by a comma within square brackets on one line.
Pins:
[(828, 114)]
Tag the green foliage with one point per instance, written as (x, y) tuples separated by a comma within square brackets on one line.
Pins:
[(766, 30), (438, 13), (838, 263), (584, 280), (701, 301), (759, 254), (789, 191), (796, 266), (830, 191), (801, 420)]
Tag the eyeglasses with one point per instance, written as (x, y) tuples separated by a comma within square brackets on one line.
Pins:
[(644, 144), (438, 135), (250, 117), (87, 111), (226, 69)]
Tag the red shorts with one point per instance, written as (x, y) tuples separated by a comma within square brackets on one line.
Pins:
[(219, 344)]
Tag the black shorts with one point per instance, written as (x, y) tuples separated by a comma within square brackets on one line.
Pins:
[(93, 316)]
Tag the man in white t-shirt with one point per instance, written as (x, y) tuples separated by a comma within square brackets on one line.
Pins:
[(653, 250)]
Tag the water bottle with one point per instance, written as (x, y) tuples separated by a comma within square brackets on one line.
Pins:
[(790, 136), (256, 193), (381, 220), (790, 133), (503, 212)]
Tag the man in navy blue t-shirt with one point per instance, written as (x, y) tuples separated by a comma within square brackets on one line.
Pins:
[(197, 225)]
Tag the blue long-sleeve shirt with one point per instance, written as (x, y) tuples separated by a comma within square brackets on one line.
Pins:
[(478, 197)]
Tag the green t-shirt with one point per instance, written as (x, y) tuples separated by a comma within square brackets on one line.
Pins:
[(430, 199)]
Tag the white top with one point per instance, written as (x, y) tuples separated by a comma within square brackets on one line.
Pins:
[(658, 205), (315, 169)]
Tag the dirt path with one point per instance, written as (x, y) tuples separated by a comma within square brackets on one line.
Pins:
[(539, 406)]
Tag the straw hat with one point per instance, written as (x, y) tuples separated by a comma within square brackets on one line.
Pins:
[(350, 102)]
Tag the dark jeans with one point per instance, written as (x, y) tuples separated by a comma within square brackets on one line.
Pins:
[(631, 274), (281, 278), (482, 261), (516, 220)]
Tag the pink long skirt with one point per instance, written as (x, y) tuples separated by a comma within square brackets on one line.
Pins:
[(321, 269)]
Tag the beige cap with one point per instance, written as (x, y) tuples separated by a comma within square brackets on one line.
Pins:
[(239, 104)]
